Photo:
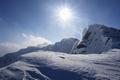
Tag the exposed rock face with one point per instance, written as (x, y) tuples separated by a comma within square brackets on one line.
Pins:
[(97, 39)]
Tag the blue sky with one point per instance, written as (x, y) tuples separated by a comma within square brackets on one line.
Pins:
[(37, 18)]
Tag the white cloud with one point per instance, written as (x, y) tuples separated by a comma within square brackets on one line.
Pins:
[(29, 40), (8, 48)]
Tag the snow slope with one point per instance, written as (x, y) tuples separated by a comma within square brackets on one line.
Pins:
[(97, 39), (46, 65)]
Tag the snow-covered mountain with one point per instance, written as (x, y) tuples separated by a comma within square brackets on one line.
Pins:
[(65, 45), (97, 39), (53, 63)]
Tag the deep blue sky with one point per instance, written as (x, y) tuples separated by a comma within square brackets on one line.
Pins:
[(36, 17)]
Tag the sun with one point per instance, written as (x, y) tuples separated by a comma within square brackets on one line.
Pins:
[(65, 14)]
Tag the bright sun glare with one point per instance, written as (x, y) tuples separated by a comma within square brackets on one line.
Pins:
[(65, 14)]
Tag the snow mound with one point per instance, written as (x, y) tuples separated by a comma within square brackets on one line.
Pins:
[(46, 65)]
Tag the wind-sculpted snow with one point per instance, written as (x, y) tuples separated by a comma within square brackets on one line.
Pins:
[(44, 65), (97, 39)]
